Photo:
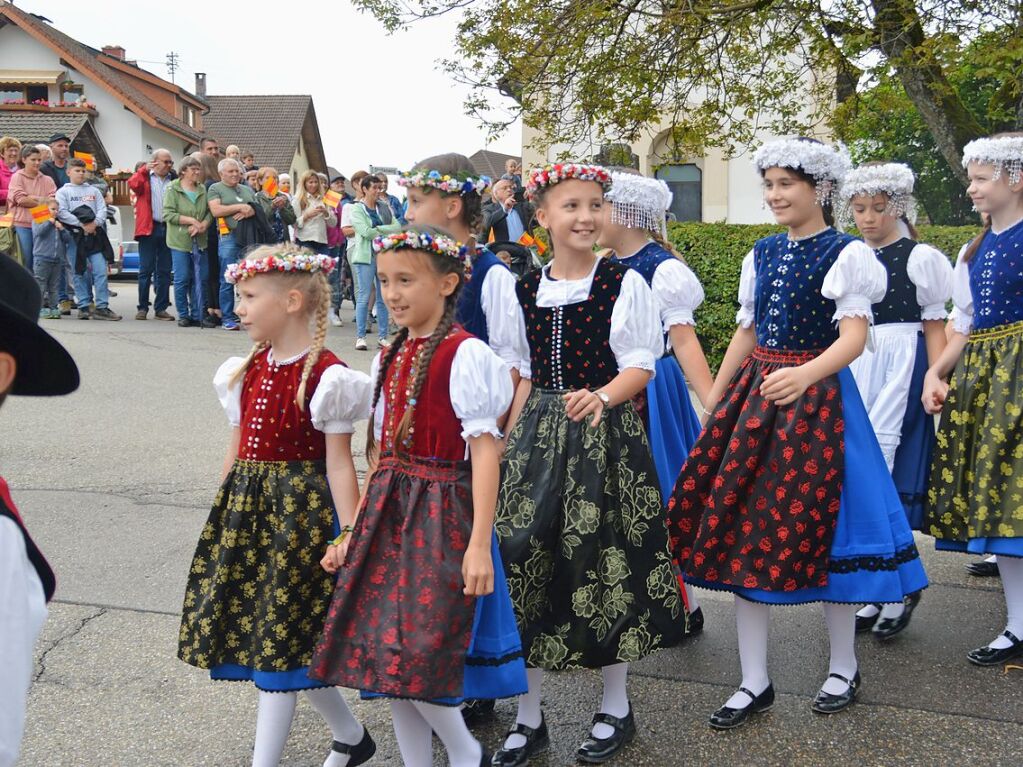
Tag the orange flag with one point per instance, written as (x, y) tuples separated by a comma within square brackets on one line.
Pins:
[(490, 237), (222, 226), (40, 213), (90, 161), (529, 241), (270, 186), (332, 198), (7, 221)]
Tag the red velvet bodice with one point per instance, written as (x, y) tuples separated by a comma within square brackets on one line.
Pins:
[(273, 428)]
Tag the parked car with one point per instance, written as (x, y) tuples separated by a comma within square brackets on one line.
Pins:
[(129, 257)]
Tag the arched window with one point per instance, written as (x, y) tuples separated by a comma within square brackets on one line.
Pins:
[(686, 184)]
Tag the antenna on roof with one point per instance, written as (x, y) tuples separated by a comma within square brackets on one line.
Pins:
[(172, 64)]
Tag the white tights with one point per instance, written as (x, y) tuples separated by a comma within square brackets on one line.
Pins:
[(414, 724), (1011, 571), (273, 723)]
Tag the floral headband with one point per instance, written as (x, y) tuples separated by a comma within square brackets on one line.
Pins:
[(443, 182), (894, 179), (415, 240), (549, 175), (828, 165), (284, 262), (1001, 151)]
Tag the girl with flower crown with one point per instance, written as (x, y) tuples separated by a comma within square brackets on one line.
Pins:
[(908, 335), (786, 497), (634, 228), (580, 517), (977, 477), (256, 596), (421, 614)]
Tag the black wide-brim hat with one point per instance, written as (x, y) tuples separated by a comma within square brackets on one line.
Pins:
[(45, 368)]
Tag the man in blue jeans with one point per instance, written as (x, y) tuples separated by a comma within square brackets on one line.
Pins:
[(149, 184), (230, 201)]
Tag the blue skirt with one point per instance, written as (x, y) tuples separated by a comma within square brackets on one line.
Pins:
[(672, 423), (873, 556), (912, 470)]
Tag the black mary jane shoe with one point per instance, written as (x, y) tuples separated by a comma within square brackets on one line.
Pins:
[(990, 656), (360, 753), (983, 569), (477, 711), (695, 624), (485, 759), (829, 703), (864, 623), (886, 628), (537, 740), (596, 750), (727, 718)]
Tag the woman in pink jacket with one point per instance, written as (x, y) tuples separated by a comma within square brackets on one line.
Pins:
[(10, 148), (29, 188)]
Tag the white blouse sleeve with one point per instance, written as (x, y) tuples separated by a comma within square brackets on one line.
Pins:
[(962, 298), (525, 365), (480, 388), (341, 398), (746, 315), (678, 292), (230, 397), (378, 411), (501, 307), (855, 281), (930, 270), (636, 338)]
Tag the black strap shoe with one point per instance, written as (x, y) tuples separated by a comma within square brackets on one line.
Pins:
[(359, 753), (485, 759), (990, 656), (477, 711), (695, 624), (726, 718), (983, 569), (829, 703), (886, 628), (537, 740), (866, 624), (596, 750)]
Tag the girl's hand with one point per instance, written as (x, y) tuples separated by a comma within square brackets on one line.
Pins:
[(581, 403), (334, 559), (935, 392), (785, 386), (478, 571)]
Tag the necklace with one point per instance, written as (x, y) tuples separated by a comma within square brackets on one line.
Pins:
[(394, 417)]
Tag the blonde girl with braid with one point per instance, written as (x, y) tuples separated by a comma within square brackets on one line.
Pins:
[(256, 596), (422, 615)]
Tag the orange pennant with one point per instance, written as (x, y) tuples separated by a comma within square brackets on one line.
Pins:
[(90, 161), (530, 242), (332, 198), (270, 186), (222, 226), (41, 213), (7, 221)]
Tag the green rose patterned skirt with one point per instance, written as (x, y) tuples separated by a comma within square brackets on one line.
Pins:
[(975, 500), (257, 598), (584, 539)]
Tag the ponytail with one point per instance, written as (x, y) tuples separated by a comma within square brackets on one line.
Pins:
[(665, 243)]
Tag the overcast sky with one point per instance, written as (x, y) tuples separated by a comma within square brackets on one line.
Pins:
[(379, 99)]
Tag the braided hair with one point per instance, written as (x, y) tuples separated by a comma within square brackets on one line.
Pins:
[(442, 265)]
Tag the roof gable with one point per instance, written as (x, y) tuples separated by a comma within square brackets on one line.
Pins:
[(491, 164), (273, 137)]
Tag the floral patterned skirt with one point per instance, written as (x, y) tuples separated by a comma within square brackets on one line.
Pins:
[(792, 504), (973, 503), (399, 624), (256, 596), (583, 536)]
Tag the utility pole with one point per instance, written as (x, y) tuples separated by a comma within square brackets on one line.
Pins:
[(172, 64)]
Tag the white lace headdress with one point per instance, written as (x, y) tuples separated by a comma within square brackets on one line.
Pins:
[(894, 179), (639, 202), (1004, 152), (828, 165)]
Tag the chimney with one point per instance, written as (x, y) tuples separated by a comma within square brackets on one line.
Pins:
[(200, 84), (115, 51)]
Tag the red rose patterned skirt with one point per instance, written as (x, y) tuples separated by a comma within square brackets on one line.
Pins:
[(399, 624), (793, 504)]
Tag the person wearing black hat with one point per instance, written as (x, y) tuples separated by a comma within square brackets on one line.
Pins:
[(56, 166), (32, 363)]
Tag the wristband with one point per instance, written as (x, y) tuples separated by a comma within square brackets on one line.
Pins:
[(345, 532)]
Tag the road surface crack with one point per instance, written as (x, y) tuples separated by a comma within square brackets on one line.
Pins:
[(61, 639)]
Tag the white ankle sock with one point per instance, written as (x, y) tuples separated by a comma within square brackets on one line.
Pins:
[(615, 700), (868, 611), (529, 712), (344, 727), (273, 723), (893, 610), (1011, 571), (691, 600), (752, 621), (463, 749), (413, 733), (841, 620)]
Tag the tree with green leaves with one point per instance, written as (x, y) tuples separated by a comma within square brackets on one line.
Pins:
[(585, 72)]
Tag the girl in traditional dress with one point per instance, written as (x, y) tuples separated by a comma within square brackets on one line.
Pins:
[(908, 335), (973, 503), (786, 497), (256, 596), (634, 228), (421, 614), (580, 519)]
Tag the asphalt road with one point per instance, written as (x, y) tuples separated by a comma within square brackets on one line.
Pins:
[(115, 482)]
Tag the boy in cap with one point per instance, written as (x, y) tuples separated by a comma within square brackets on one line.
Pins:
[(32, 363)]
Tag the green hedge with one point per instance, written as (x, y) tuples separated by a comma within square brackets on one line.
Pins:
[(715, 253)]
